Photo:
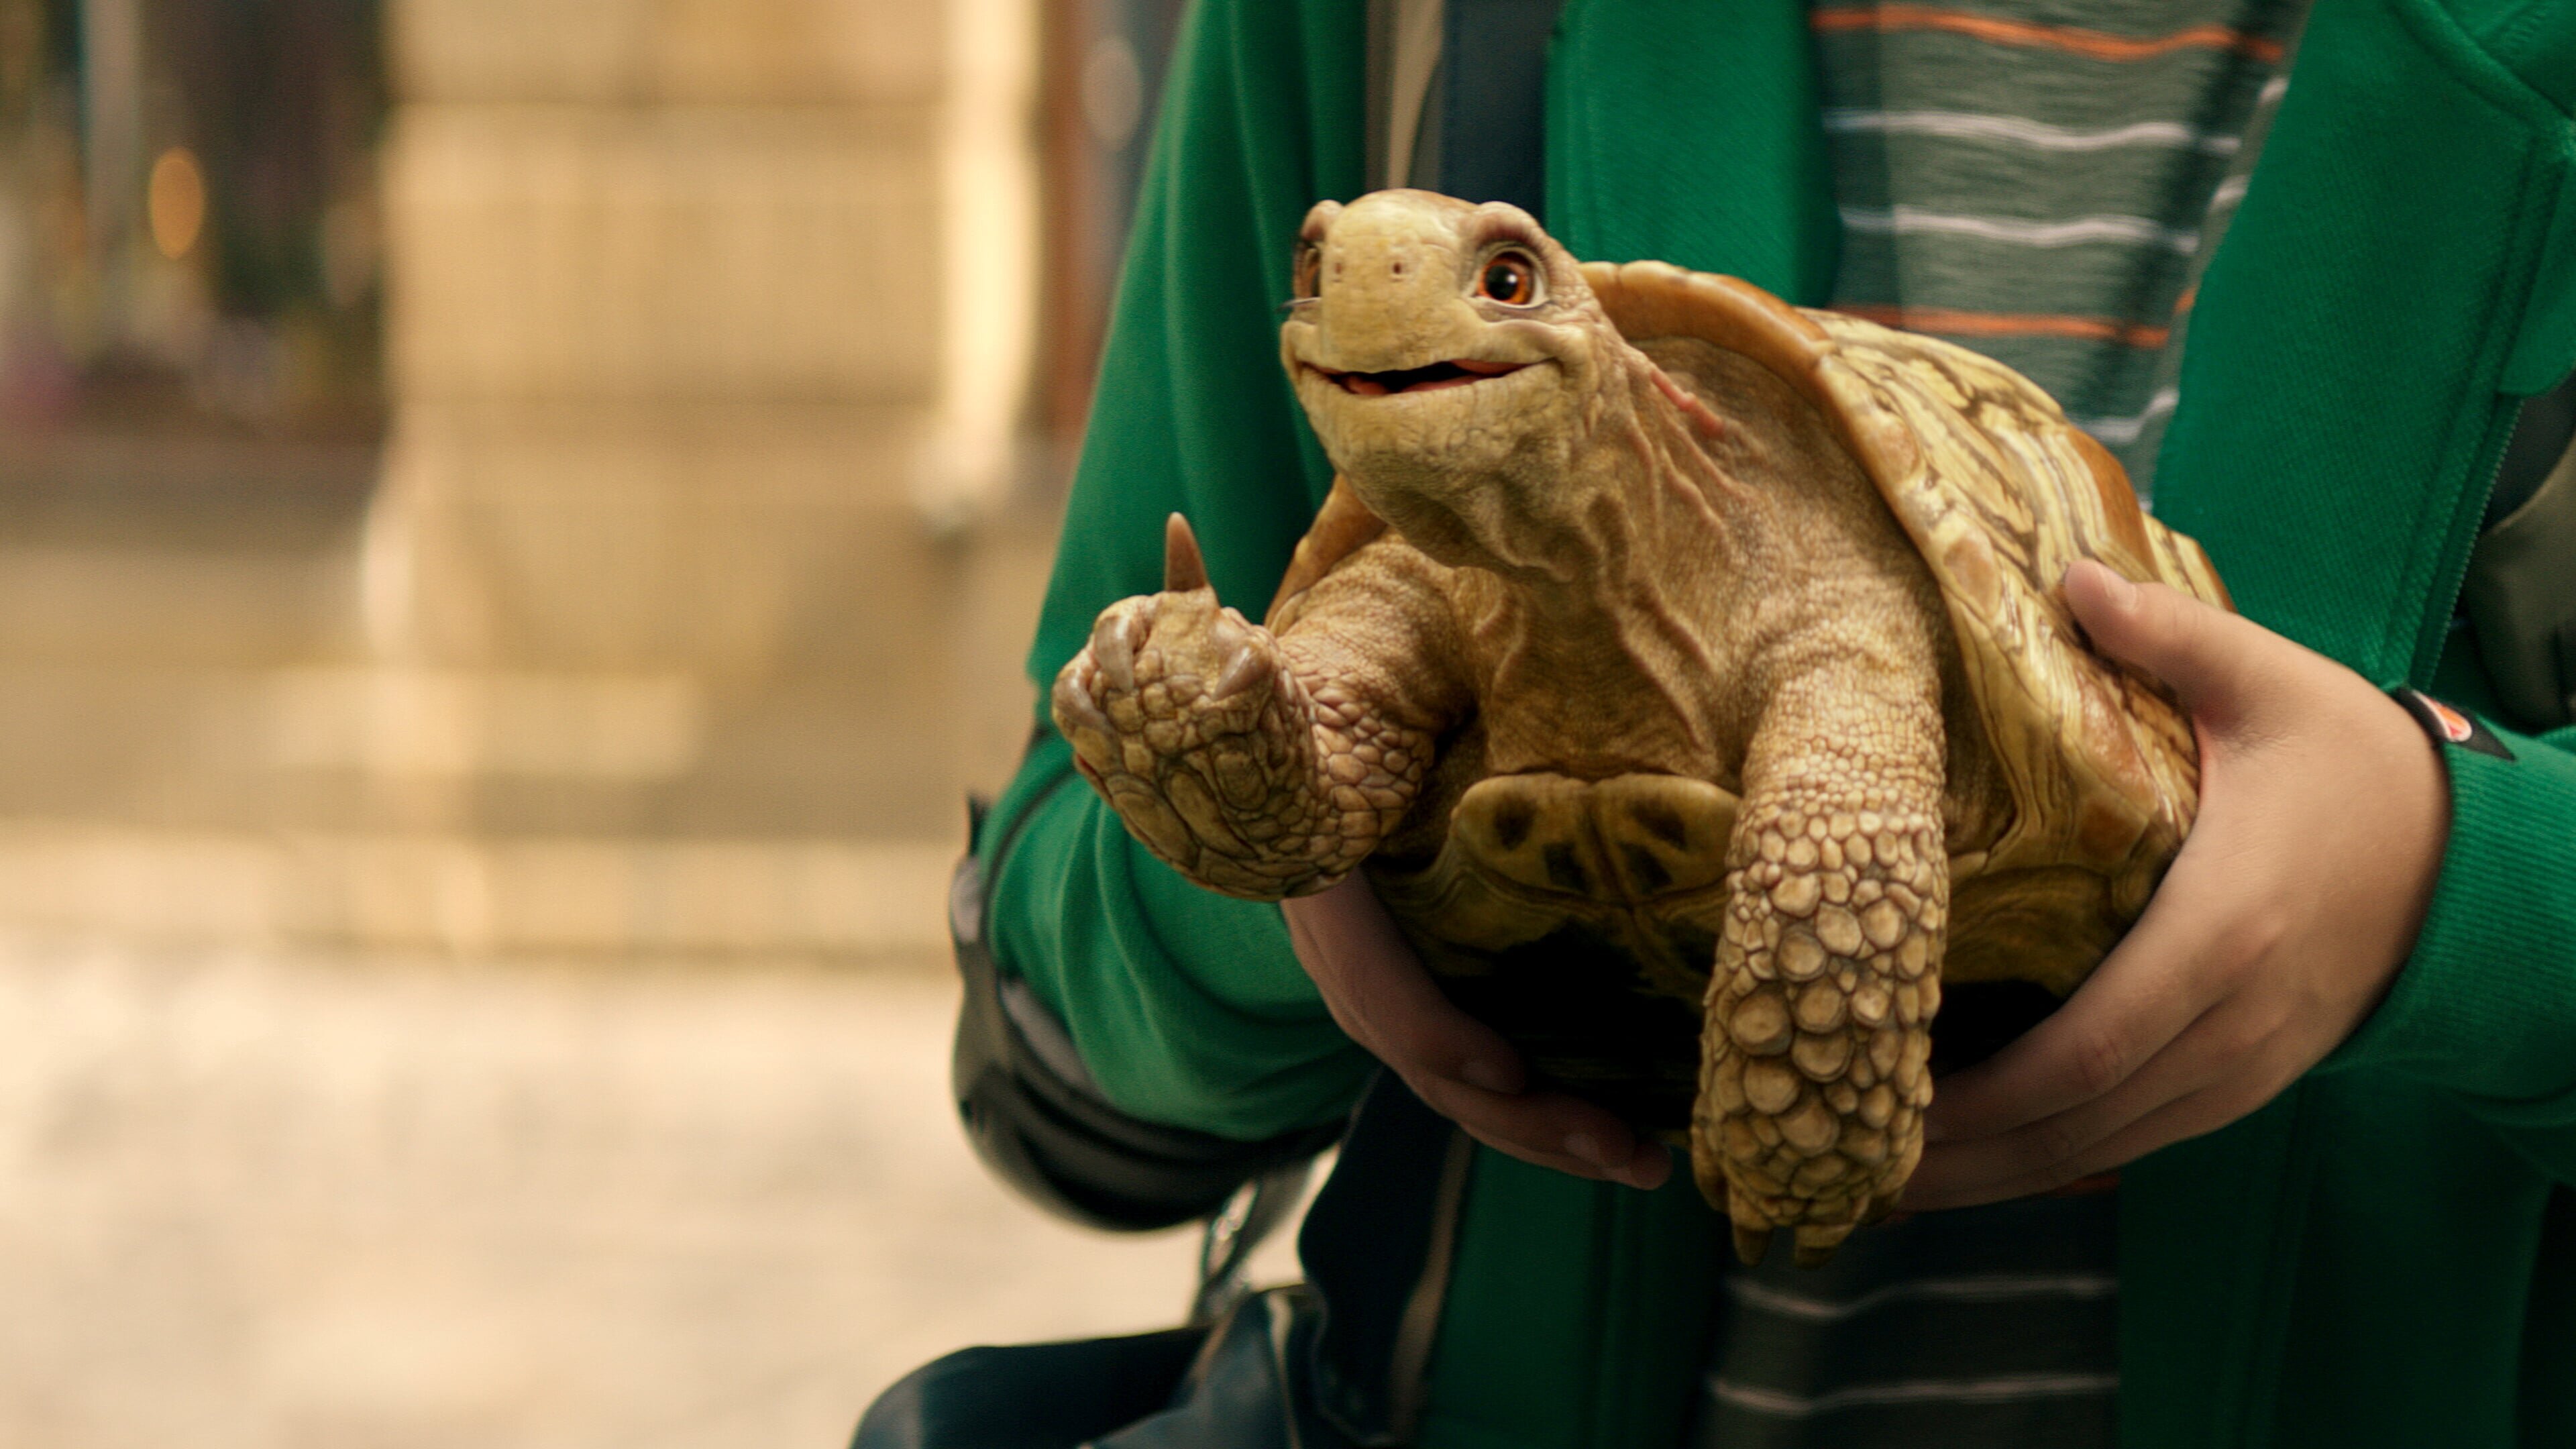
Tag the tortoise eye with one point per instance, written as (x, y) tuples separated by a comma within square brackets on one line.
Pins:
[(1307, 273), (1510, 278)]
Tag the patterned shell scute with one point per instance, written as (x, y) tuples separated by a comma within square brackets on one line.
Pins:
[(1999, 494), (2003, 496)]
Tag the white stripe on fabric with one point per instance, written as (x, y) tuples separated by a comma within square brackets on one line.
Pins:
[(1988, 1288), (2229, 192), (2002, 1389), (2273, 89), (1963, 124), (1902, 220), (2126, 430)]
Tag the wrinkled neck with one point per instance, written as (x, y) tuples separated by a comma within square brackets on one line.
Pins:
[(1612, 587), (1589, 512), (1634, 518)]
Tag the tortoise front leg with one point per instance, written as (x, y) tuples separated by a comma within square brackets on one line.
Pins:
[(1813, 1075), (1244, 764)]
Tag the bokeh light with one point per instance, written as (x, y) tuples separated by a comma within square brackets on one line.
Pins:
[(177, 201)]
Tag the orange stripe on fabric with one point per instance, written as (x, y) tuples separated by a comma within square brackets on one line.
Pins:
[(2096, 44), (1954, 323)]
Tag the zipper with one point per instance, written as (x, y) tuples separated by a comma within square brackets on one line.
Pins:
[(1409, 1368), (2504, 455), (2442, 605)]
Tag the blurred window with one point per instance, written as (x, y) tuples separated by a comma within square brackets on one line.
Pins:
[(188, 218)]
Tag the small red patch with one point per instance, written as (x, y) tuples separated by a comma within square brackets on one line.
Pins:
[(2449, 726)]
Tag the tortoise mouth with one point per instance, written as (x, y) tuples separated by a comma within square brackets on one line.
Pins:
[(1458, 372)]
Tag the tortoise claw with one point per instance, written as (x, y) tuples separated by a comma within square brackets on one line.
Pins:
[(1184, 570), (1249, 667), (1114, 640), (1750, 1244), (1085, 726), (1073, 701), (1816, 1243)]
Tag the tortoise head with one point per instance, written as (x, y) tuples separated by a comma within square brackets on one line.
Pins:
[(1450, 357)]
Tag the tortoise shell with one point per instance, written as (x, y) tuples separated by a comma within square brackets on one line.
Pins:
[(1581, 917)]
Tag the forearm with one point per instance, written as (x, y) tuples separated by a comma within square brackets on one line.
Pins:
[(1189, 1008)]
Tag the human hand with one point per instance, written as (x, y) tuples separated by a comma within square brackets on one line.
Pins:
[(2323, 817), (1460, 1068)]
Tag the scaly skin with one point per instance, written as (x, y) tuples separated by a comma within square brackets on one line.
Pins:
[(1616, 564), (1254, 768), (1813, 1075)]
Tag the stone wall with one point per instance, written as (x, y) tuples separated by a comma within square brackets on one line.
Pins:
[(686, 600), (667, 339)]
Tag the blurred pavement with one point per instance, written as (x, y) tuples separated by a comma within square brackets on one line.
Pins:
[(346, 1203)]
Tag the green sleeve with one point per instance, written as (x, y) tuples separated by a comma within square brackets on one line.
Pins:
[(1189, 1007), (2485, 1008)]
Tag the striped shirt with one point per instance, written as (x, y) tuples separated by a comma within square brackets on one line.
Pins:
[(2041, 180), (1988, 1328)]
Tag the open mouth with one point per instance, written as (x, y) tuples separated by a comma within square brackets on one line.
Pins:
[(1416, 379)]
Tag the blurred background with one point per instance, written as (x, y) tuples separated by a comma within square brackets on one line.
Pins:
[(518, 524)]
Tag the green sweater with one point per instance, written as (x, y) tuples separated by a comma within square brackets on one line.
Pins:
[(2372, 1260)]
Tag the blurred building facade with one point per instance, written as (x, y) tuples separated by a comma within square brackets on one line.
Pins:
[(1102, 64), (679, 376), (684, 596), (519, 522)]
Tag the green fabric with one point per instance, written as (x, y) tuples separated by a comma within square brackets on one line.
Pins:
[(1578, 1313), (2355, 326), (2342, 1267), (1720, 161), (2348, 1266), (1192, 1009)]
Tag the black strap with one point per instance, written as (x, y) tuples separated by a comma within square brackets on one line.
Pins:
[(2448, 724), (2542, 432), (1377, 1245), (1038, 1120)]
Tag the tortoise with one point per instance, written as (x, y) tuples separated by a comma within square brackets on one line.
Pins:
[(1689, 674)]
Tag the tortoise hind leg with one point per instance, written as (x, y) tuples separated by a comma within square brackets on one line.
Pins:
[(1815, 1046)]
